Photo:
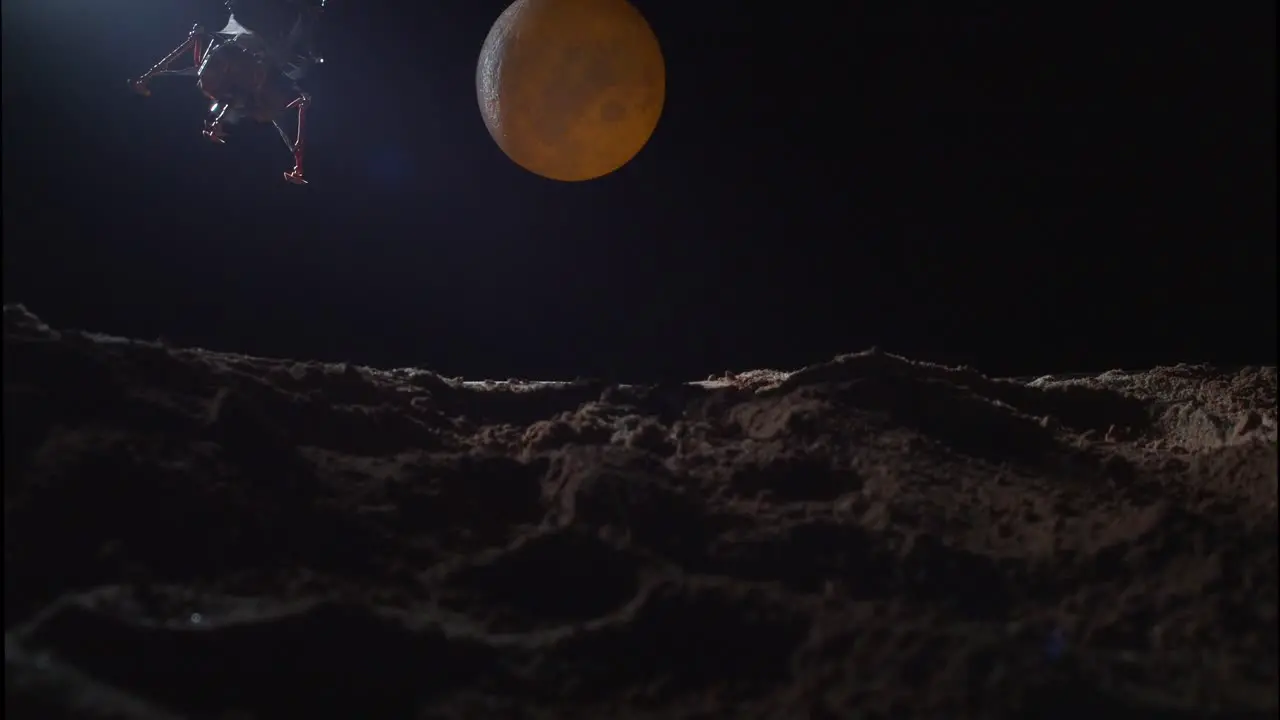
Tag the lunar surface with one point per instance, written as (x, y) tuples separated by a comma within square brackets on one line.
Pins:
[(195, 534), (571, 89)]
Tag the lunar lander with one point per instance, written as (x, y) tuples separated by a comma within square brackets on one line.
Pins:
[(250, 69)]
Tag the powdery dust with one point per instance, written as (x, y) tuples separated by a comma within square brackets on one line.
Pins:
[(191, 534)]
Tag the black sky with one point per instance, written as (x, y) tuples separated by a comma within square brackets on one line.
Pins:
[(1021, 189)]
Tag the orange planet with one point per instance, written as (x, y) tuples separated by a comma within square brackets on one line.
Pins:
[(571, 89)]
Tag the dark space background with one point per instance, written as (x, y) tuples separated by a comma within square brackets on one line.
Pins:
[(1023, 189)]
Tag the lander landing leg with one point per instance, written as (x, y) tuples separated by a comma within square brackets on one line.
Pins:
[(297, 146)]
